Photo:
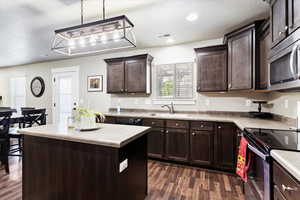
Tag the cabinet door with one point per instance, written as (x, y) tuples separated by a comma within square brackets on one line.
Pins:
[(156, 143), (201, 149), (135, 73), (265, 44), (278, 21), (212, 70), (115, 77), (240, 61), (226, 146), (277, 194), (294, 15), (177, 144)]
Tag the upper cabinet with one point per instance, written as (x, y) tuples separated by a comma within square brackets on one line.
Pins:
[(129, 74), (293, 15), (279, 24), (212, 68), (285, 19), (243, 57)]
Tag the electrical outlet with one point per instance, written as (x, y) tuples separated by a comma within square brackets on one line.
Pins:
[(248, 102), (123, 165), (207, 102), (286, 103)]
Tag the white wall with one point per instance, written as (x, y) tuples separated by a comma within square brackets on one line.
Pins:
[(101, 101)]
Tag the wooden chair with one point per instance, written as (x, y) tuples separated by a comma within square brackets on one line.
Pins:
[(34, 117), (27, 108), (4, 138)]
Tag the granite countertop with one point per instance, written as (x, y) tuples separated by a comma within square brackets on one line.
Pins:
[(108, 135), (290, 160), (241, 122)]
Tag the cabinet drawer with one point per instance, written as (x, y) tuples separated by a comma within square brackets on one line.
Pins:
[(286, 184), (153, 122), (177, 124), (202, 126)]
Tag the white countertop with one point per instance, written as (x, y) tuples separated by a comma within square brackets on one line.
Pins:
[(290, 160), (109, 135), (241, 122)]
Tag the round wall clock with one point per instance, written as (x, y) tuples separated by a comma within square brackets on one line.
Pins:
[(37, 86)]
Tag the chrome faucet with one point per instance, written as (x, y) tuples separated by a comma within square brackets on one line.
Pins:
[(170, 107)]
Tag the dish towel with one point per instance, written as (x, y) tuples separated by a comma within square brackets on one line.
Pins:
[(243, 161)]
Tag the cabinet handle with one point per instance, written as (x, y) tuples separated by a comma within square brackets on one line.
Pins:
[(122, 90), (162, 131), (287, 188), (202, 126), (167, 131), (152, 123), (176, 124), (229, 85), (193, 134), (219, 127), (285, 29)]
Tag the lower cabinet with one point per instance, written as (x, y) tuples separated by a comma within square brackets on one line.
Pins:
[(177, 144), (202, 147), (208, 144), (156, 141), (225, 146)]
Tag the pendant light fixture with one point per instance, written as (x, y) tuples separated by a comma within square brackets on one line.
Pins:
[(99, 36)]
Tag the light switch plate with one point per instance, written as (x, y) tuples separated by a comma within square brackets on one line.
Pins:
[(123, 165)]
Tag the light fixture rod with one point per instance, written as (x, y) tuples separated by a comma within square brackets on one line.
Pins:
[(103, 7), (81, 12)]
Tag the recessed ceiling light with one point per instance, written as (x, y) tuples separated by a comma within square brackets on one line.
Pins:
[(192, 17), (170, 40)]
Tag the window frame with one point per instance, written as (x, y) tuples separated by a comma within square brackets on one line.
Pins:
[(188, 100)]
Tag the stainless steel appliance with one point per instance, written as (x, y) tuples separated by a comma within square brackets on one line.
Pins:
[(284, 68), (261, 142)]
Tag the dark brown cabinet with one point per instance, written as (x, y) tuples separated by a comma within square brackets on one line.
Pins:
[(156, 141), (129, 74), (293, 15), (240, 61), (156, 138), (279, 26), (265, 43), (285, 185), (243, 54), (177, 144), (201, 147), (225, 146), (115, 76), (212, 68)]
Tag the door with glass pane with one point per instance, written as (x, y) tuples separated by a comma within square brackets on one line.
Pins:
[(65, 95)]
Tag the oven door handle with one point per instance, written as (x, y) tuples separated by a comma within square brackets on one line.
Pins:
[(257, 152), (295, 52)]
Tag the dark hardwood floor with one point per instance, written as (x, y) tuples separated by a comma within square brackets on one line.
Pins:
[(166, 182)]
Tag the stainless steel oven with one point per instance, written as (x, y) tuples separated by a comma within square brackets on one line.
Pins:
[(284, 68), (258, 186)]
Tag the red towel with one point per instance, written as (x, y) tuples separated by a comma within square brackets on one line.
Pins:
[(243, 161)]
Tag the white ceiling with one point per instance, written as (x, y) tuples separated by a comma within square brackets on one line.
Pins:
[(27, 26)]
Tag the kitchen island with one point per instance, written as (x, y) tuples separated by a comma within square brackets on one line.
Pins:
[(64, 164)]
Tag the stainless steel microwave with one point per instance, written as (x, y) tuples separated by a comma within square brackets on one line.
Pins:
[(284, 68)]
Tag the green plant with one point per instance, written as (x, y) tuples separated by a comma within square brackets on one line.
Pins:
[(80, 111)]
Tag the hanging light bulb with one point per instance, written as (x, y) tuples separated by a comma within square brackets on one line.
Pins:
[(71, 43), (82, 42), (104, 39), (116, 37)]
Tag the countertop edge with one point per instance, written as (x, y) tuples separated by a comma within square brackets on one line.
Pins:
[(93, 142), (289, 166)]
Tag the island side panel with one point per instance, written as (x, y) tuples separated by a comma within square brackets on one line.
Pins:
[(133, 181), (62, 170)]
